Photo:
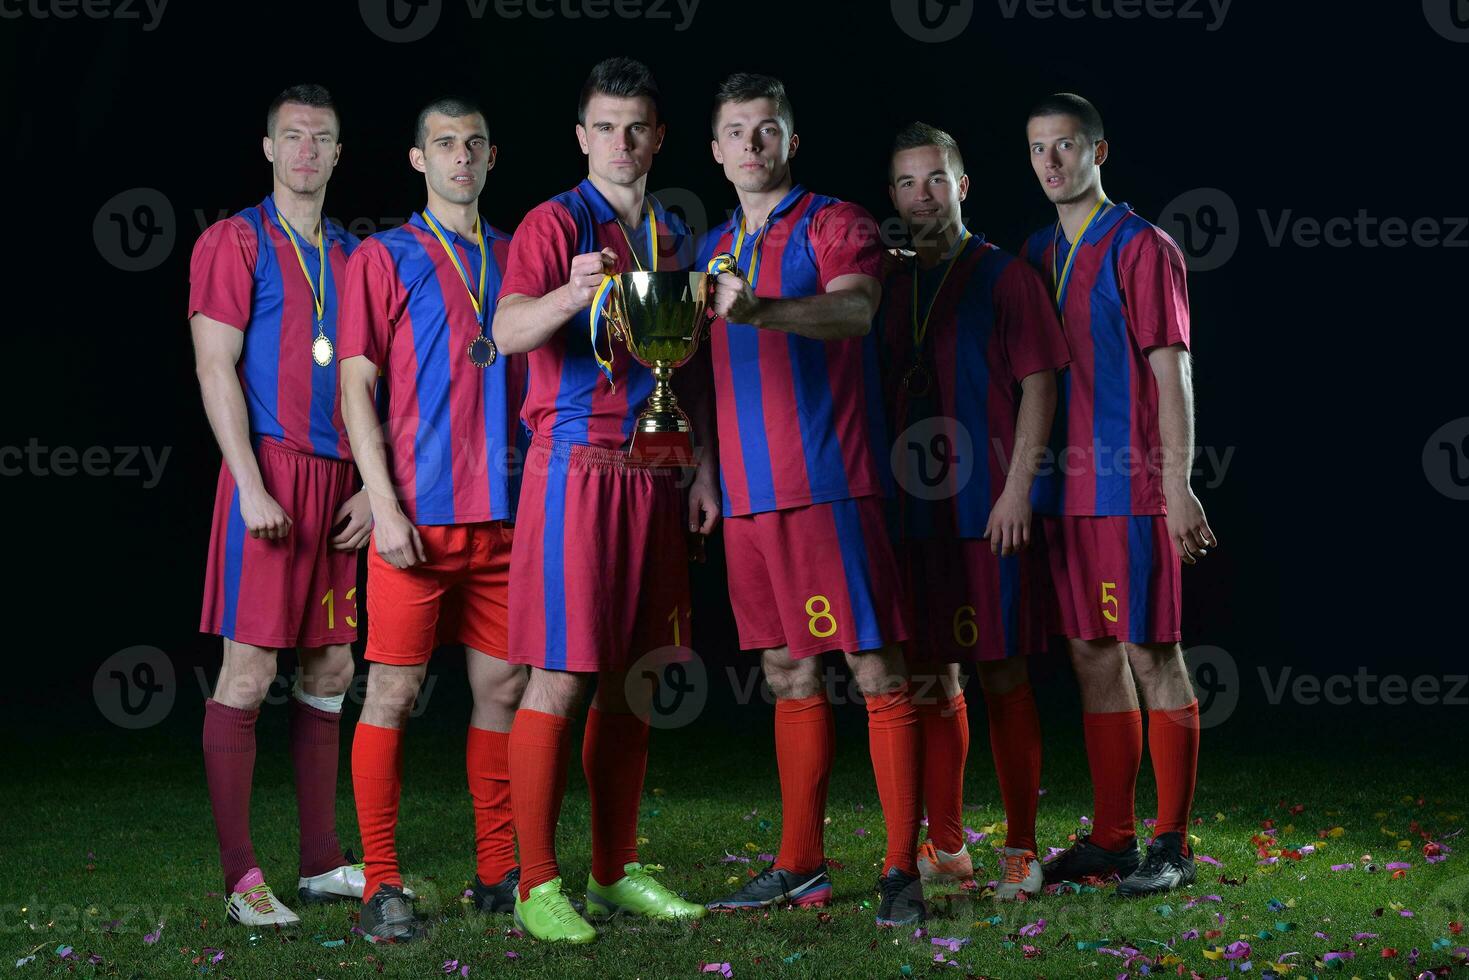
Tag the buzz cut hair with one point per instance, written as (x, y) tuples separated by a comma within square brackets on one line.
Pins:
[(454, 106), (917, 134), (621, 78), (746, 86), (1070, 104), (312, 95)]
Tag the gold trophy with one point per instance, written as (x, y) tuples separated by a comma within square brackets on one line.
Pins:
[(662, 317)]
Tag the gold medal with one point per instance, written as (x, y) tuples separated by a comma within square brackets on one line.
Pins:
[(917, 381), (321, 350), (482, 351)]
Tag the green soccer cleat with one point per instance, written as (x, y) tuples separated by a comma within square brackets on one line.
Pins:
[(548, 916), (637, 894)]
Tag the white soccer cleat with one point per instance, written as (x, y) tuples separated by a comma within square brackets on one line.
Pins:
[(342, 884), (254, 904), (938, 867), (1022, 873)]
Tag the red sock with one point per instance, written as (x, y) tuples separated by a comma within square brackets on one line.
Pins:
[(487, 761), (377, 774), (805, 737), (229, 765), (1015, 741), (945, 731), (892, 735), (539, 744), (315, 751), (614, 757), (1114, 751), (1173, 743)]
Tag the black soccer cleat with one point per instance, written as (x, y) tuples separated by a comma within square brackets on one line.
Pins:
[(499, 897), (388, 917), (1086, 860), (777, 886), (902, 899), (1165, 868)]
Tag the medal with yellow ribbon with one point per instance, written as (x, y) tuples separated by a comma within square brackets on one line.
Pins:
[(481, 350), (1061, 279), (599, 299), (321, 347), (917, 380)]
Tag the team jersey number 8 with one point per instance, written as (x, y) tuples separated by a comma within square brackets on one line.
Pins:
[(821, 623)]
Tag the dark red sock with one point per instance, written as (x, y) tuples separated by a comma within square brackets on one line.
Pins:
[(487, 762), (945, 731), (1015, 741), (315, 751), (539, 748), (1173, 743), (614, 757), (229, 765), (1114, 751), (377, 772), (892, 736), (805, 737)]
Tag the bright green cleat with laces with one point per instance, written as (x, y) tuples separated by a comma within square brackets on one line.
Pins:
[(637, 894), (547, 915)]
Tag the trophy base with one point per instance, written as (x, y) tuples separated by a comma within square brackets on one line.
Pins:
[(663, 448)]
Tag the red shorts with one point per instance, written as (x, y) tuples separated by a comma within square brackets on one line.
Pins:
[(457, 596), (297, 591), (815, 578), (1115, 577), (970, 604), (600, 572)]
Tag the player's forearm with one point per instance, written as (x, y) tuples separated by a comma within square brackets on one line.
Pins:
[(1032, 424), (523, 323), (836, 315), (1175, 417), (365, 434), (229, 419)]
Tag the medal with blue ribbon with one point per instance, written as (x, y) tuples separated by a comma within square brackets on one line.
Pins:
[(481, 350), (1063, 278), (599, 298), (321, 348)]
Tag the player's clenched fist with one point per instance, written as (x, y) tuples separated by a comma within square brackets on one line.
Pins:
[(587, 271), (733, 298), (398, 540), (263, 517)]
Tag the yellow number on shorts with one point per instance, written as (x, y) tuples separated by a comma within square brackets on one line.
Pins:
[(330, 601), (966, 630), (818, 615), (673, 618), (351, 597), (1109, 599)]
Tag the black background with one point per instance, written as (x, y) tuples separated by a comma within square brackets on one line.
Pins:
[(1324, 370)]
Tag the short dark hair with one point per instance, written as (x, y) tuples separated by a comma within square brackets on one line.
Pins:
[(450, 105), (745, 86), (309, 94), (621, 78), (917, 134), (1068, 104)]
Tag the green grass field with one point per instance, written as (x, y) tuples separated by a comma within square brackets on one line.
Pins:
[(109, 862)]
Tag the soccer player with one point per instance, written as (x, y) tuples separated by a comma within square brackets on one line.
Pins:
[(416, 317), (288, 518), (599, 574), (972, 347), (1119, 512), (811, 568)]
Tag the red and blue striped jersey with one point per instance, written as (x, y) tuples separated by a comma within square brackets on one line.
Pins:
[(1127, 295), (991, 325), (799, 419), (452, 429), (569, 399), (244, 273)]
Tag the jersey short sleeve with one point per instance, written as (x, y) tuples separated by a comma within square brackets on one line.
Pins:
[(222, 273)]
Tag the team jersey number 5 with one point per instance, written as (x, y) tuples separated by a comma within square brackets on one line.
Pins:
[(1109, 598)]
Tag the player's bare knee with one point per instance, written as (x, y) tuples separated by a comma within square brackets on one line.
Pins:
[(791, 679), (878, 671), (326, 671), (555, 692), (391, 692), (245, 675), (1003, 676)]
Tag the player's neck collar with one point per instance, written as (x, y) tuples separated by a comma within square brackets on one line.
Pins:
[(783, 205)]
